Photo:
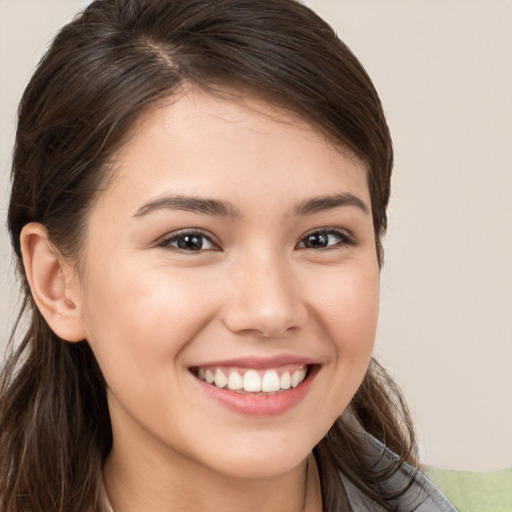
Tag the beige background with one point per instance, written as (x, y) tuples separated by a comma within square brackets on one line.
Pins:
[(444, 72)]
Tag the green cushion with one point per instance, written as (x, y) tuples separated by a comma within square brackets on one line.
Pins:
[(475, 492)]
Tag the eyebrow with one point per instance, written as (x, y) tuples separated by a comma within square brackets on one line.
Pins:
[(318, 204), (199, 205), (205, 206)]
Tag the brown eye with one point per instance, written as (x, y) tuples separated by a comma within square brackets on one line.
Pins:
[(189, 242), (316, 241), (324, 240)]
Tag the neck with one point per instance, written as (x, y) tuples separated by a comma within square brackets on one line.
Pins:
[(190, 489), (142, 474)]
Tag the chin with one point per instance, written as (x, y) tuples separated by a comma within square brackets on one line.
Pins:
[(260, 468), (262, 458)]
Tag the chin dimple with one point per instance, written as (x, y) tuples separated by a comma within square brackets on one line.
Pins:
[(252, 380)]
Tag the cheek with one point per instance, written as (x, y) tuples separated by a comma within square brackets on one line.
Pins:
[(347, 301), (138, 328), (347, 306), (358, 320), (139, 321)]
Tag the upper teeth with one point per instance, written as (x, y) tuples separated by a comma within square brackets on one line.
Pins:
[(253, 381)]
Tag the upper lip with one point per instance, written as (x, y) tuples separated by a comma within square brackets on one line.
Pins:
[(259, 363)]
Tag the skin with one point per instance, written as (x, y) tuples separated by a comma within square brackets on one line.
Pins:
[(151, 311)]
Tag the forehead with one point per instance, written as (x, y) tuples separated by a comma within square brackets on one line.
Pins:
[(200, 143)]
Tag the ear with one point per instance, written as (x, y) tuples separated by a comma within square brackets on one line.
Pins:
[(53, 283)]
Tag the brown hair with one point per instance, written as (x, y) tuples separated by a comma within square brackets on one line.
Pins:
[(101, 72)]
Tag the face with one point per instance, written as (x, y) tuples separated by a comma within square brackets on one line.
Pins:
[(230, 286)]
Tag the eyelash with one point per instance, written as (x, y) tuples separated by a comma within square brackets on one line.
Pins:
[(341, 237)]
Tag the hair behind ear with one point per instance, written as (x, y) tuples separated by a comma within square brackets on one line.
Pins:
[(53, 411), (55, 428)]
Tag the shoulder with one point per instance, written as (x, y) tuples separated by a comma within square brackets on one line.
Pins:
[(421, 494)]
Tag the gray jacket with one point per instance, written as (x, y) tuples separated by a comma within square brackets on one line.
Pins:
[(421, 496)]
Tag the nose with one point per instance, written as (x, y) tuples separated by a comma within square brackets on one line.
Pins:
[(265, 300)]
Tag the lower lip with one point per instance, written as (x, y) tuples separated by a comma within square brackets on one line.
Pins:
[(259, 405)]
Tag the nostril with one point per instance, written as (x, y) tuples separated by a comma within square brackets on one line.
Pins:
[(265, 321)]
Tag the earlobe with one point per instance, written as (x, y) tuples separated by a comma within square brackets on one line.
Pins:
[(54, 289)]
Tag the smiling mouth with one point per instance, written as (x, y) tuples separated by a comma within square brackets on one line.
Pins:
[(254, 381)]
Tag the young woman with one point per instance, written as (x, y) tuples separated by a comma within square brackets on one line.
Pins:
[(199, 195)]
